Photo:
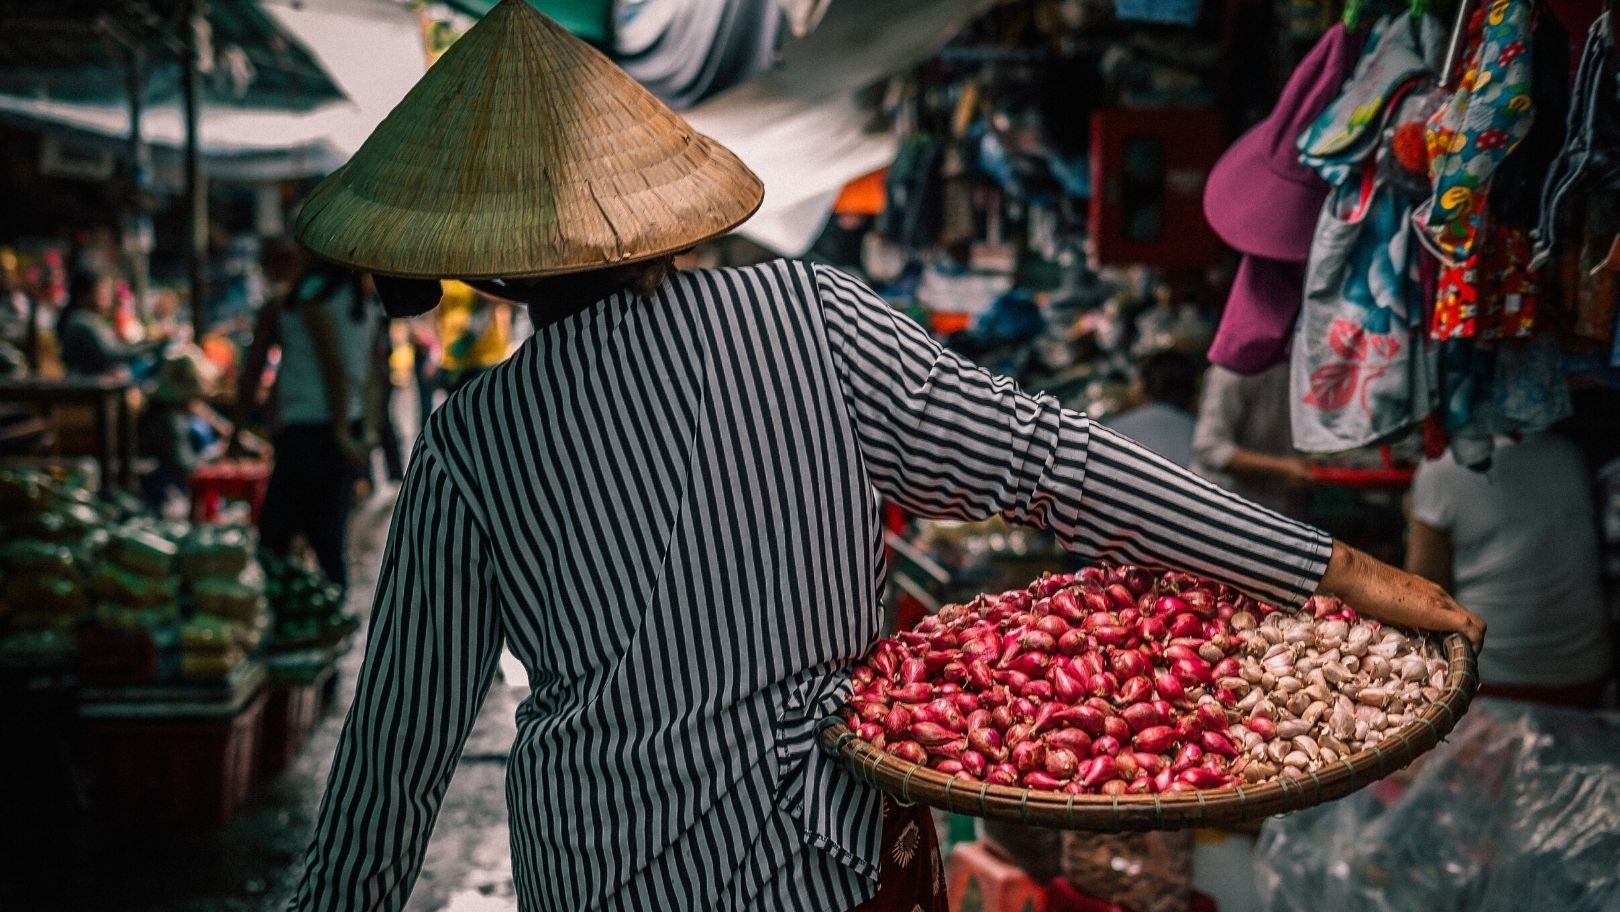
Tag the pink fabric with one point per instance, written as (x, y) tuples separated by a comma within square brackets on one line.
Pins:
[(1259, 198)]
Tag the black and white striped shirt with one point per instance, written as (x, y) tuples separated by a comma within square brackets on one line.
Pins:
[(668, 510)]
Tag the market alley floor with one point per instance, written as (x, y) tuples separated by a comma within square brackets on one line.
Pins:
[(253, 863)]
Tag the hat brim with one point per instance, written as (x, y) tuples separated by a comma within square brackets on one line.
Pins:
[(1257, 325), (1258, 211)]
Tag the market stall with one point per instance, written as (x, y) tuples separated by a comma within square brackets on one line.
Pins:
[(192, 667)]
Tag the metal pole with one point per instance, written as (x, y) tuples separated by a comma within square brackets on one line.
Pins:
[(138, 231), (196, 179), (1454, 46)]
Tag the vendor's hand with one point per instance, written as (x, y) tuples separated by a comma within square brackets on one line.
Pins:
[(1299, 471), (1380, 591), (233, 446)]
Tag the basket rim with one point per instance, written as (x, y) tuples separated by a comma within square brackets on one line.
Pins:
[(915, 783)]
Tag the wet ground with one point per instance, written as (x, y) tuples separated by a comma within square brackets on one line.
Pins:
[(252, 864)]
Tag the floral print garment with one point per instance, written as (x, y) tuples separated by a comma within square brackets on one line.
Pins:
[(1488, 116), (911, 877)]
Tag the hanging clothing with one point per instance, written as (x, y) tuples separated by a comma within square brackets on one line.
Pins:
[(1359, 371), (1591, 158), (1495, 294), (1397, 52), (1489, 114), (668, 510)]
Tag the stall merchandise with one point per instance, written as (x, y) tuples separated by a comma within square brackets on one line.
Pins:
[(1123, 699), (147, 601), (1462, 260)]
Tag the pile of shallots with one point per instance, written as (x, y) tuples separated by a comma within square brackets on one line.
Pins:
[(1120, 680)]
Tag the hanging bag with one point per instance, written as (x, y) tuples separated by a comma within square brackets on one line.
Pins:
[(1359, 372)]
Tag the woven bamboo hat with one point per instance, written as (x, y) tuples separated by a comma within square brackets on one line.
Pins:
[(524, 152)]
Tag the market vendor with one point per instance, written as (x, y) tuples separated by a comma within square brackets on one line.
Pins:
[(666, 505)]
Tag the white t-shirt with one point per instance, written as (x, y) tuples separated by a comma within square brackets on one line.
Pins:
[(1162, 428), (300, 388), (1524, 558)]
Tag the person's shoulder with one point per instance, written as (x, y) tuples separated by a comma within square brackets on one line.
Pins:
[(762, 286)]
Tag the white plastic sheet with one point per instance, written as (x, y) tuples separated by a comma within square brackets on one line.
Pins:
[(1519, 809)]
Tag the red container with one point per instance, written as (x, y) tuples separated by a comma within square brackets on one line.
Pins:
[(290, 714), (175, 770)]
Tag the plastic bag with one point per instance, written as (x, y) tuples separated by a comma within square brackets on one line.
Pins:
[(1519, 809)]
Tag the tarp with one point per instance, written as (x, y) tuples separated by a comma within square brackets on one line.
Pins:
[(799, 126), (371, 48)]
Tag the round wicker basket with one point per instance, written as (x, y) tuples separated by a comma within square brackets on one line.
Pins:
[(915, 783)]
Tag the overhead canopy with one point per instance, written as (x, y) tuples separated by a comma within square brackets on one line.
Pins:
[(69, 51), (588, 19), (800, 128), (373, 74)]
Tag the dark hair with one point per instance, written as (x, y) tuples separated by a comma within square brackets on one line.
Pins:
[(1170, 377), (81, 291), (641, 279)]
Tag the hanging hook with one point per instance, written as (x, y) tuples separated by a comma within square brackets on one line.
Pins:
[(1454, 47)]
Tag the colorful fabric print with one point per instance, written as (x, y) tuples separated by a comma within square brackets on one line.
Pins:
[(1348, 129), (1488, 116), (1358, 370), (1495, 294)]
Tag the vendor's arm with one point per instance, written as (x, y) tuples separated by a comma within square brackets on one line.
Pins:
[(944, 438), (431, 653)]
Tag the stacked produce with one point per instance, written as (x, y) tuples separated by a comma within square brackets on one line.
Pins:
[(49, 529), (1120, 680), (308, 608), (229, 612)]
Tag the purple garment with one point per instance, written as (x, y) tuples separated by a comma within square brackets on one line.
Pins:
[(1259, 198), (1258, 322)]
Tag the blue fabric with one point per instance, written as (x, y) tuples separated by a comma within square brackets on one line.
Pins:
[(1174, 12)]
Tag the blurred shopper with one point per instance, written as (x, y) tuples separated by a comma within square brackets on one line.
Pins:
[(89, 344), (178, 430), (427, 354), (1243, 441), (1162, 398), (475, 329), (326, 401), (1518, 544)]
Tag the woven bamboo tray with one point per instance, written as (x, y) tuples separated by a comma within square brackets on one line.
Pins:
[(915, 783)]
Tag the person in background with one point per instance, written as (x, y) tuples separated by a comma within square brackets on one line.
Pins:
[(388, 439), (1518, 544), (1242, 440), (475, 328), (1162, 398), (89, 345), (427, 355), (326, 400), (178, 431)]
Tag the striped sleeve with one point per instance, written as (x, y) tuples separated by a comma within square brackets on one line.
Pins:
[(434, 642), (946, 439)]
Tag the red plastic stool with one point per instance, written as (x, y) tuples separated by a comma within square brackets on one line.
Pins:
[(980, 882), (236, 480)]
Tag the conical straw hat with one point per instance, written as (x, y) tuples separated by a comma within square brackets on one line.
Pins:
[(524, 152)]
